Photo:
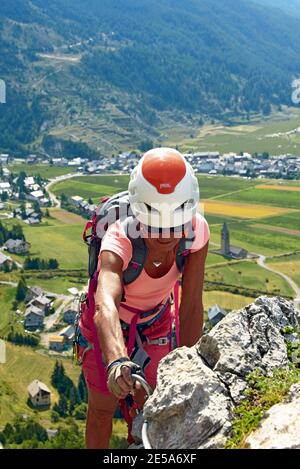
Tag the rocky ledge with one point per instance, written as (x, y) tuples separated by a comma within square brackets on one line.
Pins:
[(198, 387)]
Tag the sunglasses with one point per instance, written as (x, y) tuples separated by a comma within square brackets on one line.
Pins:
[(180, 231)]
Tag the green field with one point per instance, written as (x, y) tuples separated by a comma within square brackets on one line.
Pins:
[(44, 170), (213, 259), (290, 221), (86, 190), (56, 239), (22, 366), (225, 300), (289, 265), (56, 284), (287, 199), (97, 186), (7, 296), (216, 186), (249, 275), (218, 220), (257, 240), (249, 137)]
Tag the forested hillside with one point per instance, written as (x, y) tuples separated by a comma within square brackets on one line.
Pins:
[(86, 70)]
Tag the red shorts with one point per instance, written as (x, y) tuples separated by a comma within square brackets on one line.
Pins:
[(160, 328)]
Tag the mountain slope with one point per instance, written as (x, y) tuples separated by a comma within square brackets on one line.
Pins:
[(112, 72)]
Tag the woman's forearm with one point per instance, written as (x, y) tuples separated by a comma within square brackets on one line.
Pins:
[(191, 326), (109, 331), (107, 303)]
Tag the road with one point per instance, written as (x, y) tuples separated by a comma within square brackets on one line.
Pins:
[(49, 321), (261, 261), (6, 253), (55, 201), (12, 284)]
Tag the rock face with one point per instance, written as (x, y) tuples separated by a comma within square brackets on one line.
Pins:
[(248, 339), (190, 404), (198, 387), (280, 428)]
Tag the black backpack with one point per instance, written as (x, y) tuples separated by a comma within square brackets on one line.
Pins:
[(108, 211)]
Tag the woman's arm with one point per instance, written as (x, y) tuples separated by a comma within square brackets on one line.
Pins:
[(107, 301), (191, 307)]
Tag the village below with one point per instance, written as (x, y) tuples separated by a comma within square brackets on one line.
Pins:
[(251, 203)]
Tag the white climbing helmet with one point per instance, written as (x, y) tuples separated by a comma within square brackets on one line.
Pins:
[(163, 189)]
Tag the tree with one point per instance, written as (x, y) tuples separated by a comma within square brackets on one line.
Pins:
[(145, 145), (16, 233), (80, 411), (64, 199), (57, 374), (62, 408), (53, 264), (82, 388), (73, 399), (266, 109), (36, 207), (21, 290)]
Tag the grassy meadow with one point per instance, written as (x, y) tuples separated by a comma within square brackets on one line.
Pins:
[(54, 238), (250, 136), (44, 170)]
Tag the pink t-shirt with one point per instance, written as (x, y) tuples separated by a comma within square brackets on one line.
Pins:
[(146, 292)]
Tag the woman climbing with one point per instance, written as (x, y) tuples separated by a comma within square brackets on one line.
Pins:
[(133, 319)]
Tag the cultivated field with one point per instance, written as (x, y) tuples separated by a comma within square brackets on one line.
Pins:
[(239, 210), (247, 274), (44, 170), (254, 136), (225, 300), (56, 239), (272, 197), (289, 265)]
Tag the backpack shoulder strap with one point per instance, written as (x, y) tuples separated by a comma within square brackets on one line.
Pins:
[(183, 249), (139, 251)]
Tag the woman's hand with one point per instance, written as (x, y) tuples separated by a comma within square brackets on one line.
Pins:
[(119, 381)]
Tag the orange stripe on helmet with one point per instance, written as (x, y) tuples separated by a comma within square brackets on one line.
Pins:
[(163, 170)]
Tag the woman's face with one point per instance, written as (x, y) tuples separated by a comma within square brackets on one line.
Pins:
[(162, 242)]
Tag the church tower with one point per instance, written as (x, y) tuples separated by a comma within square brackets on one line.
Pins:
[(225, 240)]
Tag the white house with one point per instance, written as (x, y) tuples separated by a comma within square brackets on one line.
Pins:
[(41, 302), (77, 200), (5, 262), (29, 181), (17, 246), (68, 333), (4, 186), (33, 292), (39, 394), (34, 318)]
